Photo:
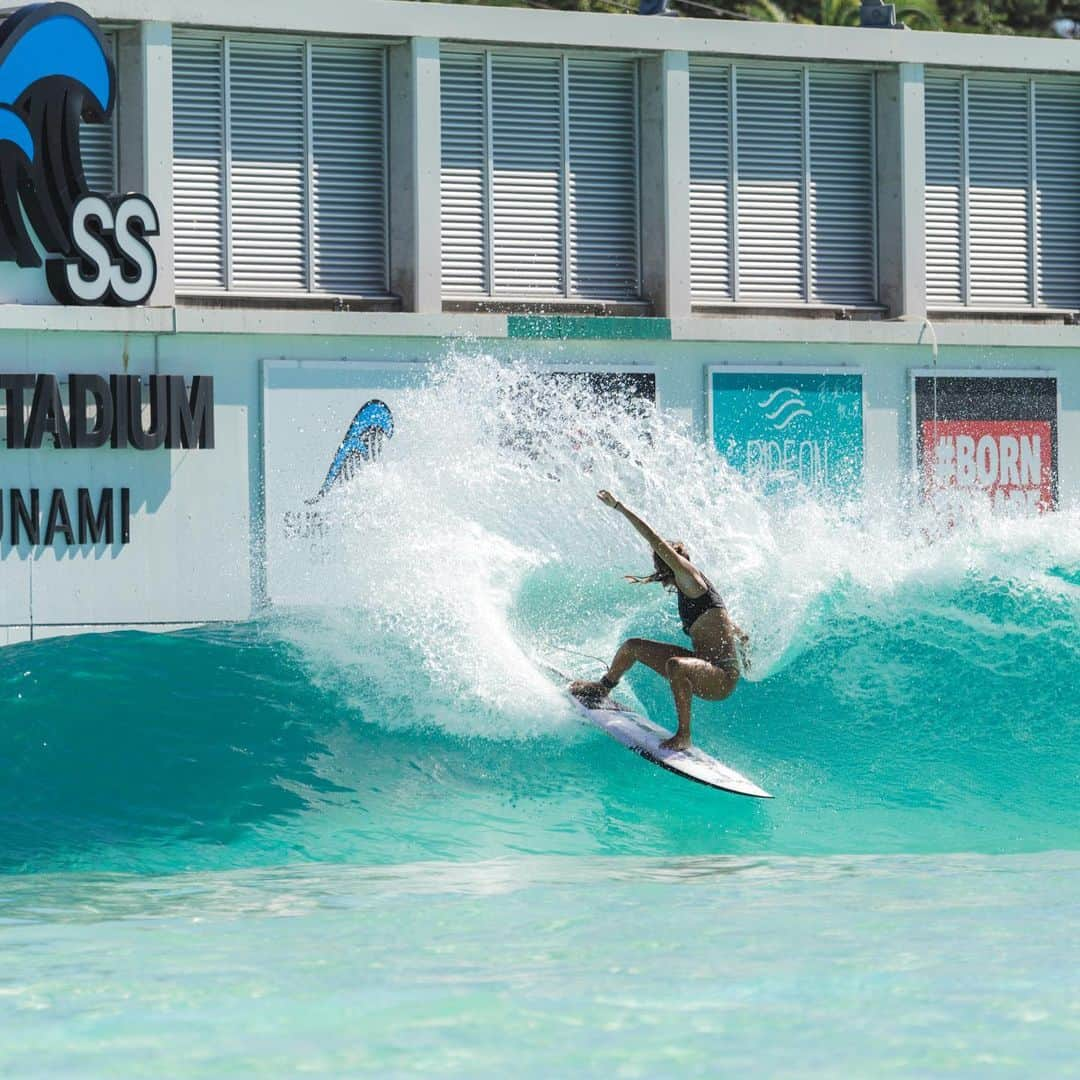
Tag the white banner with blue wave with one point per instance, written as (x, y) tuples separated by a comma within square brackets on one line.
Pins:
[(324, 422)]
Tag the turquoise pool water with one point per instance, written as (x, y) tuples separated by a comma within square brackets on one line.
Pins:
[(539, 967), (366, 836)]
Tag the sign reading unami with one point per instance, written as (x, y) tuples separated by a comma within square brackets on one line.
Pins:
[(101, 412), (55, 73), (790, 426)]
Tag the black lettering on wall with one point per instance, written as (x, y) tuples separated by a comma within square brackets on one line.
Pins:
[(15, 387), (28, 518), (191, 419), (83, 437), (154, 436), (118, 384), (179, 418), (94, 527), (59, 519), (125, 515), (47, 415)]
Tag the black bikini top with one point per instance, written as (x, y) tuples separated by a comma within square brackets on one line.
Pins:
[(692, 608)]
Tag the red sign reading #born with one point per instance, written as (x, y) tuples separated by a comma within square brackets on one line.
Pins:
[(1009, 460)]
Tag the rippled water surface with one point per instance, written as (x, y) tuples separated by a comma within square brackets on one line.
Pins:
[(619, 966)]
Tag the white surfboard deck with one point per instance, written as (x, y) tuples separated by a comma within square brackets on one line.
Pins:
[(640, 734)]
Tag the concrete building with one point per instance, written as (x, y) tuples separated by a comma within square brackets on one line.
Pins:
[(745, 211)]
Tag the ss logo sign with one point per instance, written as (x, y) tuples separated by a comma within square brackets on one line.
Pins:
[(114, 263)]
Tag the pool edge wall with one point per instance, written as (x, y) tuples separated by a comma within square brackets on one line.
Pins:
[(196, 551)]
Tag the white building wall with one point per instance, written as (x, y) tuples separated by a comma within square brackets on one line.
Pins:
[(196, 552), (196, 548)]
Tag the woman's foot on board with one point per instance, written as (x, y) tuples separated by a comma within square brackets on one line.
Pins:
[(586, 691), (677, 741)]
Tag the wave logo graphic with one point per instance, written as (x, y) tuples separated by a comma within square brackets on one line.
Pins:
[(787, 406), (55, 72), (363, 441)]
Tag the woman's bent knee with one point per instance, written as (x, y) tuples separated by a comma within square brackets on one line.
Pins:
[(675, 669)]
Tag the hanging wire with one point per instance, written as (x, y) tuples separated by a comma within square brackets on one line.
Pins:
[(578, 653), (928, 325)]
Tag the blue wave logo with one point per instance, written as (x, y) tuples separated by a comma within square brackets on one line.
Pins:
[(55, 72), (363, 442), (791, 406)]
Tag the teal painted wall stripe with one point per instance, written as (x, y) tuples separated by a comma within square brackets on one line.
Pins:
[(593, 327)]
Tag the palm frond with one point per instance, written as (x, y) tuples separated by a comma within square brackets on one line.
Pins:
[(765, 11)]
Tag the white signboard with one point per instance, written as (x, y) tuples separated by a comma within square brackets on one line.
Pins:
[(322, 420)]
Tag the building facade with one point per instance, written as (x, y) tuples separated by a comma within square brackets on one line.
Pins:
[(844, 254)]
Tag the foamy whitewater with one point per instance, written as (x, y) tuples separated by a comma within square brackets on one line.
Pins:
[(367, 835)]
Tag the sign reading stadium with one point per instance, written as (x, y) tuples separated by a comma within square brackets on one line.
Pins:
[(109, 411), (101, 412), (55, 73)]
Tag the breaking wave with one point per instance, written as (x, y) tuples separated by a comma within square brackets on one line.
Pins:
[(911, 687)]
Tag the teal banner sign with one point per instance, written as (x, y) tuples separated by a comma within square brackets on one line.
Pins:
[(789, 427)]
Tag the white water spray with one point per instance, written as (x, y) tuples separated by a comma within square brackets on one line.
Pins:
[(425, 604)]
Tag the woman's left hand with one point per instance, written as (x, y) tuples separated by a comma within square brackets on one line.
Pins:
[(607, 499)]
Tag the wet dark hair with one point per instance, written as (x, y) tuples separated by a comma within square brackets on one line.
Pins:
[(663, 573)]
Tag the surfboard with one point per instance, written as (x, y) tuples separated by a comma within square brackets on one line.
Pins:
[(640, 734)]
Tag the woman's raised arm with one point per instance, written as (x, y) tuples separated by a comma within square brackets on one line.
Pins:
[(651, 536), (687, 576)]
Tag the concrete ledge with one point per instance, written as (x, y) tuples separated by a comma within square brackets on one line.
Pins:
[(975, 333), (142, 320), (810, 330), (985, 335), (886, 332), (193, 320)]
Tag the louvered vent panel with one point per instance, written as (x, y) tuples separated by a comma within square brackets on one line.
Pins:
[(841, 210), (463, 180), (710, 183), (998, 203), (267, 186), (603, 191), (97, 142), (769, 235), (944, 191), (527, 211), (198, 163), (348, 215), (1057, 126)]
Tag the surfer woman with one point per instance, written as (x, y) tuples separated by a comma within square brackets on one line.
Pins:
[(711, 669)]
